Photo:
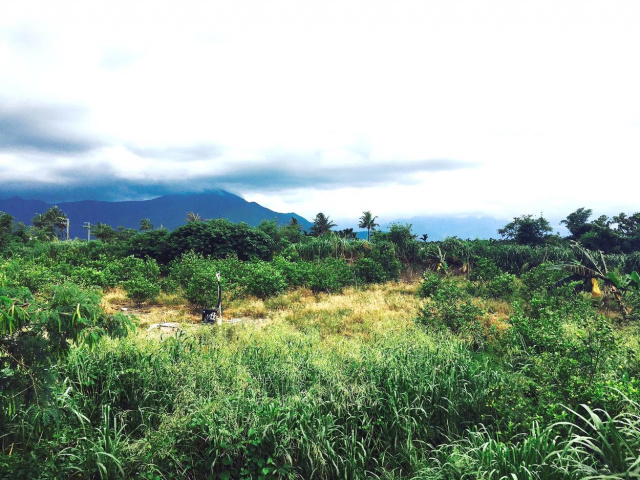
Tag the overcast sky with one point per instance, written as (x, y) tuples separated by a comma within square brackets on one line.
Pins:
[(403, 108)]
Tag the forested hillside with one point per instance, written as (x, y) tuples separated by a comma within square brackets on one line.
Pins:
[(168, 211)]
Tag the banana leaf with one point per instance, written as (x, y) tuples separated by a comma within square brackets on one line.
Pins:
[(619, 281), (579, 270)]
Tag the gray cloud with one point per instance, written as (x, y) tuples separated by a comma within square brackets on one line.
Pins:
[(199, 151), (47, 129), (105, 187), (282, 171), (305, 172)]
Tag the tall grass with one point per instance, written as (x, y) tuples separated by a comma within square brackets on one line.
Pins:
[(324, 387), (592, 445), (243, 401)]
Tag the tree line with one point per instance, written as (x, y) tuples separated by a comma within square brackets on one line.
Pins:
[(617, 234)]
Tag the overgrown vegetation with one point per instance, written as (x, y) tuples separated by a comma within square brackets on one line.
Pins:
[(390, 358)]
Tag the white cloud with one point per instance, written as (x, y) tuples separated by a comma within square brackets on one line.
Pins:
[(541, 96)]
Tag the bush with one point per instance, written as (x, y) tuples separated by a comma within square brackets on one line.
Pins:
[(34, 276), (142, 289), (450, 307), (181, 269), (484, 270), (384, 254), (263, 280), (201, 289), (89, 277), (540, 279), (431, 281), (129, 268), (368, 270), (502, 286), (330, 276), (296, 273), (566, 348), (219, 239), (36, 332), (140, 278)]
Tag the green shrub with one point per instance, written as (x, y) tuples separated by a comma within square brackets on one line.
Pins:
[(37, 332), (201, 289), (540, 279), (330, 275), (181, 269), (484, 270), (491, 282), (196, 276), (140, 278), (384, 254), (36, 277), (89, 277), (296, 273), (129, 268), (220, 238), (142, 289), (450, 307), (566, 348), (262, 280), (502, 286), (368, 270), (430, 283)]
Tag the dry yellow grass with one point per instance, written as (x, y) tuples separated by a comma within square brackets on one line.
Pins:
[(167, 308), (356, 312), (114, 300)]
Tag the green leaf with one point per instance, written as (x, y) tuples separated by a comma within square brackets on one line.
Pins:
[(615, 279)]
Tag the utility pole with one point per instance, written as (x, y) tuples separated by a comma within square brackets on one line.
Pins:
[(87, 225), (68, 222)]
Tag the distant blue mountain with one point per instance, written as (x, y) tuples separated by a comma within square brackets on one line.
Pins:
[(439, 228), (169, 211)]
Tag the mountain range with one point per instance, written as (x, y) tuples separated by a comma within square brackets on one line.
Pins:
[(170, 211)]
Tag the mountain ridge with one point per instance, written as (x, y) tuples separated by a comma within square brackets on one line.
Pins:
[(167, 211), (170, 211)]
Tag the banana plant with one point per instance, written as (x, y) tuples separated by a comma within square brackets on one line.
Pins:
[(625, 282), (612, 282)]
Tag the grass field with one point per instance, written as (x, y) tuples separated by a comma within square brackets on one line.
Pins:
[(320, 386)]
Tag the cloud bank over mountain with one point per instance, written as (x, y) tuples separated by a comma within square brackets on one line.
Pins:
[(426, 108)]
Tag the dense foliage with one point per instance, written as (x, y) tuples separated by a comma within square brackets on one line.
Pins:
[(506, 368)]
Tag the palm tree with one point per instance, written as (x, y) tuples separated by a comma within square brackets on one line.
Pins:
[(51, 224), (193, 217), (104, 232), (368, 221), (145, 224), (321, 225), (294, 223)]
